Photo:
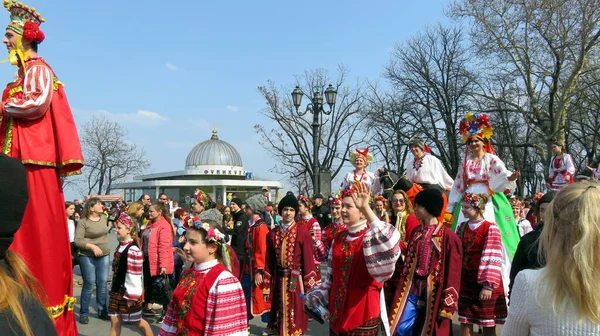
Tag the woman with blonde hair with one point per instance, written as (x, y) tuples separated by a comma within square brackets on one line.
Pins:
[(21, 309), (562, 298)]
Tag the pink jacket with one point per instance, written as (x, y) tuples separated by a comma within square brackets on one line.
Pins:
[(160, 246)]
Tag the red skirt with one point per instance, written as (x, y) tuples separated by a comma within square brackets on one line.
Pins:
[(117, 306), (474, 311), (369, 328), (43, 242)]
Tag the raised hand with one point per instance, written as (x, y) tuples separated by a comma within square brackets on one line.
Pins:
[(361, 195)]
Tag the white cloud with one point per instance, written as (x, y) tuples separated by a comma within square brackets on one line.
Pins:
[(232, 108), (149, 115), (171, 67)]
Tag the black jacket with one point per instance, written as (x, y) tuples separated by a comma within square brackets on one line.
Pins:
[(322, 214), (238, 234), (36, 315), (526, 256)]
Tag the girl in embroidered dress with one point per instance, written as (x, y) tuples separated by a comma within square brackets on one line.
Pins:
[(208, 300), (483, 172), (125, 296), (360, 260), (379, 203), (360, 160), (427, 170), (482, 297), (522, 224), (306, 220), (561, 169), (330, 231)]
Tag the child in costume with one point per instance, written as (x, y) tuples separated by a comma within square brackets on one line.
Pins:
[(482, 298), (208, 300), (125, 296), (337, 225), (306, 220), (360, 260)]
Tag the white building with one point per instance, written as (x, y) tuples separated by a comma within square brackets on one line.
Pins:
[(213, 166)]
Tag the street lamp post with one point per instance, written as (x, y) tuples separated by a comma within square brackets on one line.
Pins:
[(316, 108)]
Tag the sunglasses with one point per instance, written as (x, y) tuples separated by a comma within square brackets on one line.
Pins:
[(398, 200)]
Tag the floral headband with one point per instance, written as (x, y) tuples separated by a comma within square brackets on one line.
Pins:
[(212, 235), (474, 200), (348, 191), (334, 199), (515, 203), (125, 220), (305, 199), (200, 196), (538, 195)]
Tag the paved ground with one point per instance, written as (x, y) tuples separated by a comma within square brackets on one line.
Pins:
[(100, 327)]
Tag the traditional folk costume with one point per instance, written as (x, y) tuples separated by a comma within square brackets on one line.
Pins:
[(368, 178), (230, 258), (489, 175), (561, 171), (208, 300), (127, 284), (330, 231), (360, 260), (481, 268), (311, 224), (523, 225), (256, 249), (37, 127), (428, 287), (289, 272), (428, 171)]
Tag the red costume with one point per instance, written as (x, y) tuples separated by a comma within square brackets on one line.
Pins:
[(431, 272), (481, 268), (351, 290), (37, 127), (290, 271), (208, 300), (256, 249)]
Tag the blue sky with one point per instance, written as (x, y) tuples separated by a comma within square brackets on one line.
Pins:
[(169, 70)]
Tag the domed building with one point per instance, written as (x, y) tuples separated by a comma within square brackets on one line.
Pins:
[(213, 166)]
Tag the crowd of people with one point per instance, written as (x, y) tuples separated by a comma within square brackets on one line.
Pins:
[(367, 260)]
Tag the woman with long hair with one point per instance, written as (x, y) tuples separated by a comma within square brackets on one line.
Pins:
[(22, 298), (72, 224), (562, 298), (91, 237), (157, 247)]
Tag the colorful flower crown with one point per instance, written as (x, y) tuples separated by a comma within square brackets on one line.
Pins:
[(538, 195), (212, 235), (515, 203), (475, 124), (334, 199), (474, 200), (348, 191), (200, 197)]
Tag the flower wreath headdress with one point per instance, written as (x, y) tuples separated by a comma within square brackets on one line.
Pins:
[(212, 235), (474, 200), (306, 200), (334, 199)]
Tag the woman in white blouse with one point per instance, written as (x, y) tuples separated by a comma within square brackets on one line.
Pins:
[(360, 160), (562, 298), (427, 170), (562, 168)]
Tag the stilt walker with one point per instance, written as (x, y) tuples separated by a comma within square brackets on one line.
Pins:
[(37, 127)]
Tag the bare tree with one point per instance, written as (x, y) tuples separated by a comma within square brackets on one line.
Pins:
[(290, 141), (109, 157), (544, 47), (431, 73)]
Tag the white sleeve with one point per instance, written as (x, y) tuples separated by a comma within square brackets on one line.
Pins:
[(517, 322)]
